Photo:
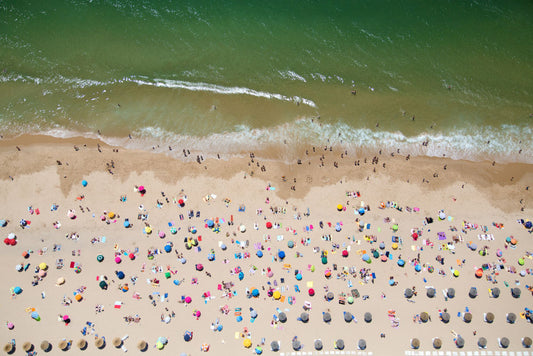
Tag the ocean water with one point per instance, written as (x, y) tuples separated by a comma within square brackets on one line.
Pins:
[(232, 76)]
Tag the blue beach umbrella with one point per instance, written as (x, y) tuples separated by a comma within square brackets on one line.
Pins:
[(220, 327), (528, 224), (241, 276), (361, 211), (281, 255), (418, 268), (365, 257), (120, 275), (168, 248), (183, 261), (338, 227), (127, 223), (239, 318), (290, 244), (223, 247), (391, 282), (17, 290), (187, 336), (84, 183), (210, 223), (176, 282), (255, 293), (299, 276), (211, 257), (259, 253), (3, 223), (401, 263)]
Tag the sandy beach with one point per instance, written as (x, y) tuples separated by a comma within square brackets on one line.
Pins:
[(251, 239)]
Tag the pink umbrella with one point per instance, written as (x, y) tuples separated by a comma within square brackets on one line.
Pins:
[(188, 300), (65, 317), (71, 214), (118, 259), (270, 274), (198, 313), (384, 258), (161, 234), (499, 253), (10, 326), (141, 188), (199, 267)]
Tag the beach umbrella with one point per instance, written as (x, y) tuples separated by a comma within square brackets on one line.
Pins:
[(504, 342), (296, 345), (35, 316), (9, 348), (382, 245), (120, 275), (19, 267), (473, 247), (368, 317), (495, 292), (430, 292), (199, 267), (255, 293), (241, 275), (344, 253), (324, 260), (282, 317), (528, 224), (460, 342), (247, 343), (348, 317), (350, 300), (27, 346), (326, 317), (526, 342), (499, 253), (479, 273), (395, 227), (117, 342), (408, 293), (482, 342), (17, 290), (338, 227), (340, 344), (318, 345), (43, 266), (299, 276), (450, 293), (187, 336), (489, 317), (442, 215), (259, 253), (304, 317), (3, 223), (375, 254), (142, 345), (513, 241), (456, 273), (391, 282), (188, 300), (311, 292), (118, 259), (205, 347), (46, 346), (63, 345), (281, 255), (361, 344), (437, 343), (168, 248), (329, 296), (415, 343), (211, 257), (10, 325), (242, 228), (258, 350), (181, 202), (473, 292), (160, 345), (365, 257), (82, 344), (511, 318), (253, 314), (445, 317), (103, 284), (100, 258), (339, 207), (521, 261), (327, 273), (239, 318), (467, 317), (424, 317), (384, 258), (361, 211), (274, 346), (515, 292), (401, 263), (276, 295), (418, 268), (269, 225)]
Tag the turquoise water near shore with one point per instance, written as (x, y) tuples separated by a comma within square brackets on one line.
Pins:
[(228, 76)]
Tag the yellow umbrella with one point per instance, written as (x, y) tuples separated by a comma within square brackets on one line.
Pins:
[(394, 246), (339, 207), (148, 229), (277, 295), (111, 215), (159, 345), (247, 343), (43, 266)]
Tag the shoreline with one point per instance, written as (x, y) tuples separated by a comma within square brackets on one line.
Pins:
[(469, 192)]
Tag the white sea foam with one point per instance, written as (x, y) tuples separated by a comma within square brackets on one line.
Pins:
[(289, 74)]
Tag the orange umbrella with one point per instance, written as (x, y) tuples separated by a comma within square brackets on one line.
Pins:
[(479, 273)]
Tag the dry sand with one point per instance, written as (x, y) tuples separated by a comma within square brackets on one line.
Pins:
[(476, 193)]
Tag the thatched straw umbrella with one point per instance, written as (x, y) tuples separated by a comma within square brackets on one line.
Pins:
[(117, 342), (515, 292), (27, 346), (361, 344), (431, 292), (274, 346), (304, 317), (437, 343), (424, 317), (408, 293), (511, 318), (63, 345), (415, 343), (296, 345), (495, 292), (472, 293), (326, 317), (467, 317), (368, 317), (460, 342), (489, 317), (46, 346), (445, 317), (318, 345), (482, 342), (504, 342), (526, 342), (9, 348), (450, 293), (142, 345), (282, 317), (348, 317), (99, 343), (340, 344), (82, 344)]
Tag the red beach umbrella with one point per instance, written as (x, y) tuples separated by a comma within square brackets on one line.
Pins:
[(181, 202), (311, 292), (269, 225), (345, 253), (131, 256)]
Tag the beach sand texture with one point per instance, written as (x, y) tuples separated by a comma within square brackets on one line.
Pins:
[(480, 203)]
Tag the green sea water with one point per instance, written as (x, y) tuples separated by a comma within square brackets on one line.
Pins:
[(229, 76)]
